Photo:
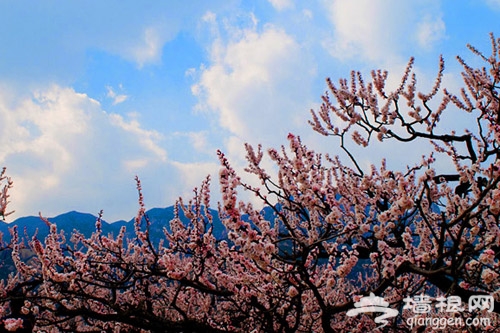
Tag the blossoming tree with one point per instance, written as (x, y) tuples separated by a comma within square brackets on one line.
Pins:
[(4, 194), (330, 232)]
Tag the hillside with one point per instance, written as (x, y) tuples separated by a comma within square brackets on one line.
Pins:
[(85, 223)]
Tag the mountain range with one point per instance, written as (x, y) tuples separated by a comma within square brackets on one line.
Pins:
[(85, 223)]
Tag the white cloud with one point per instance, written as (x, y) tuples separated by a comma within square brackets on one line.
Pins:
[(379, 31), (281, 4), (190, 72), (255, 82), (148, 48), (135, 164), (39, 126), (60, 146), (148, 139), (191, 175), (495, 4), (308, 14), (117, 98), (430, 30), (198, 140), (209, 17), (133, 32), (360, 28)]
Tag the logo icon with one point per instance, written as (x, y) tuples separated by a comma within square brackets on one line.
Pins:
[(374, 303)]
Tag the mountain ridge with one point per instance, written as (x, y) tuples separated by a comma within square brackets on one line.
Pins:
[(85, 223)]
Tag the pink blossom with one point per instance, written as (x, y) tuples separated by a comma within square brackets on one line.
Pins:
[(12, 324), (292, 291), (488, 276)]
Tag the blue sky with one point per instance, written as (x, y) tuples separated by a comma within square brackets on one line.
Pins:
[(93, 93)]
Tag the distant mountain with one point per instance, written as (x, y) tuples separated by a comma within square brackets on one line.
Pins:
[(85, 223), (161, 217)]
